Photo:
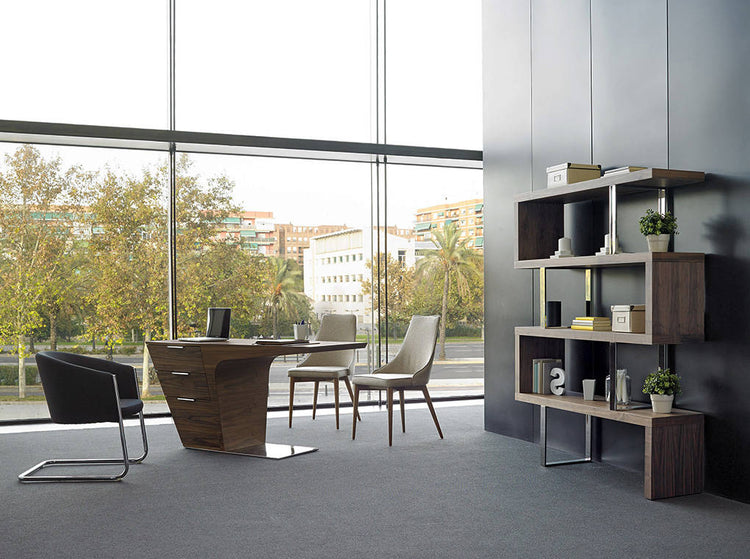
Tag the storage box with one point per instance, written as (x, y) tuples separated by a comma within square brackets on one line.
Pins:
[(629, 318), (568, 173)]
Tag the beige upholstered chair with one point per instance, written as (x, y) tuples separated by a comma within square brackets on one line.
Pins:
[(329, 366), (409, 370)]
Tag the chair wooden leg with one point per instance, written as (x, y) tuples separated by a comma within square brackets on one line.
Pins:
[(355, 415), (432, 410), (351, 395), (336, 399), (315, 397), (291, 400), (403, 416), (390, 417)]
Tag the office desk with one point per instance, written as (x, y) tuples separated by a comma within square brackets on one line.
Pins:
[(218, 392)]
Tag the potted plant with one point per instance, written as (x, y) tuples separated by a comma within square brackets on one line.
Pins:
[(662, 385), (657, 228)]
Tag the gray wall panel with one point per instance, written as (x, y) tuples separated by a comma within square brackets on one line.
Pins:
[(670, 87), (629, 69), (507, 160)]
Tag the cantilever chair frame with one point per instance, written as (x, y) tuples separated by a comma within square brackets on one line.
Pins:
[(28, 475)]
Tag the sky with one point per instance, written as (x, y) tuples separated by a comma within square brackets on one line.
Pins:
[(289, 68)]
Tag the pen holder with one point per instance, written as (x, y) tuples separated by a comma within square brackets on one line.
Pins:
[(301, 331)]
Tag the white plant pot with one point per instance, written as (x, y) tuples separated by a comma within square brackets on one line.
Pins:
[(658, 243), (662, 403)]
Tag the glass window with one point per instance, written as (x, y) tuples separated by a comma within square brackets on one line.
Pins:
[(290, 68), (434, 60), (95, 222), (86, 62)]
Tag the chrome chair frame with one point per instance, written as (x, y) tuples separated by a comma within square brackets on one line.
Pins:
[(28, 476)]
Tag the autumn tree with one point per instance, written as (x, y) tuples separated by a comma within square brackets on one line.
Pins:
[(37, 198), (398, 281)]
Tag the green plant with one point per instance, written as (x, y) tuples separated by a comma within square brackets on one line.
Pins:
[(662, 381), (654, 223)]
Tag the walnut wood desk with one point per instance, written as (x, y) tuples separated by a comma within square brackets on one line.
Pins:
[(218, 392)]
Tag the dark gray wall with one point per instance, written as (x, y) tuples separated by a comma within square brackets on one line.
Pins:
[(645, 82)]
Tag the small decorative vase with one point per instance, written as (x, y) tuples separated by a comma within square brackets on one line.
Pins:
[(658, 243), (662, 403)]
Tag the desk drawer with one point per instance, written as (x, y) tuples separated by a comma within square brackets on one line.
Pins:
[(184, 384), (175, 357), (197, 423)]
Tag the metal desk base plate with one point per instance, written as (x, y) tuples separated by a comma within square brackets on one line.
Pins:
[(272, 451)]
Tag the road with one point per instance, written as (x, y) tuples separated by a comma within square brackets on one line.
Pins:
[(464, 361)]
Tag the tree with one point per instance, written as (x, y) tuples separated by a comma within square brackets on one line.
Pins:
[(398, 282), (285, 289), (36, 233), (451, 261)]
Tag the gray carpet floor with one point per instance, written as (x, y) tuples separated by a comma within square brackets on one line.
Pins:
[(473, 494)]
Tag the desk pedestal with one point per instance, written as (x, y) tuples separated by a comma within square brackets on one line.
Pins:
[(218, 397)]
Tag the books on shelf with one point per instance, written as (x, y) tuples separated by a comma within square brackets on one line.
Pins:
[(597, 323), (541, 374), (619, 170)]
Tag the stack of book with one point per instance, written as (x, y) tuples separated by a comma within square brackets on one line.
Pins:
[(541, 374), (600, 323)]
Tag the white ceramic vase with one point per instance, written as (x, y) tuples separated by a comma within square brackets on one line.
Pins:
[(658, 243), (662, 403)]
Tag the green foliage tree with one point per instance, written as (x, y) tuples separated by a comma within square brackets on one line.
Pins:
[(36, 232), (451, 261), (399, 284), (128, 261)]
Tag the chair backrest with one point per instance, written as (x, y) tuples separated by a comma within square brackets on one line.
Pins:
[(78, 389), (334, 328), (418, 350)]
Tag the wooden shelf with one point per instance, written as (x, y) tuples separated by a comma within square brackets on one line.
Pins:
[(610, 260), (600, 408), (584, 335), (540, 214), (632, 183)]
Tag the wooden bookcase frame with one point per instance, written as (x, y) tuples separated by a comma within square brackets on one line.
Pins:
[(675, 302)]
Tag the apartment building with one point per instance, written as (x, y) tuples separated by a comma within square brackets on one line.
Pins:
[(468, 215)]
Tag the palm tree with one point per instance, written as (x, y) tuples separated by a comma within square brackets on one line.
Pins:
[(450, 259), (286, 288)]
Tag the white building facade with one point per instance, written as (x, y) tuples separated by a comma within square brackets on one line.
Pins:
[(336, 265)]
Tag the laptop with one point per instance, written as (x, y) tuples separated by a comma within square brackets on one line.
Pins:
[(217, 326)]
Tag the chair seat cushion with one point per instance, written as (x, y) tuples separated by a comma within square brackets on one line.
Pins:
[(130, 407), (320, 372), (384, 380)]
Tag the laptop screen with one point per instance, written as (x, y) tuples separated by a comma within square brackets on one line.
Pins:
[(218, 322)]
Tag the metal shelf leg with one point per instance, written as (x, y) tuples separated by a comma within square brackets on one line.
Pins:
[(543, 441)]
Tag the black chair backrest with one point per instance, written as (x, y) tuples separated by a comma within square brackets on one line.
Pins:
[(80, 389)]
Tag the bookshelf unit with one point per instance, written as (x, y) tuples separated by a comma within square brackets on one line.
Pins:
[(674, 286)]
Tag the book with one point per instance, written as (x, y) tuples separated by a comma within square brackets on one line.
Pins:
[(622, 170), (606, 328), (591, 322), (541, 374), (593, 318)]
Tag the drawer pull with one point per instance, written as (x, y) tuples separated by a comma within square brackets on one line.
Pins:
[(186, 399), (179, 373), (175, 347)]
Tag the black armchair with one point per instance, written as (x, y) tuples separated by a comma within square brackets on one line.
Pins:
[(82, 389)]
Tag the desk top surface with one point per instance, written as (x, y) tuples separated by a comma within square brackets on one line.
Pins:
[(252, 348)]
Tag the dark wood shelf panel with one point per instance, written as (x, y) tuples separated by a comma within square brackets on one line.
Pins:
[(610, 260), (600, 408), (633, 182), (584, 335)]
